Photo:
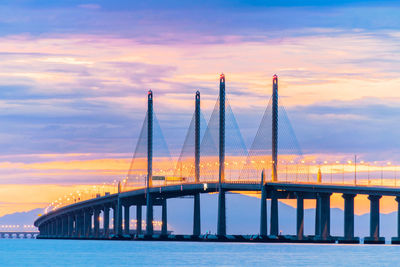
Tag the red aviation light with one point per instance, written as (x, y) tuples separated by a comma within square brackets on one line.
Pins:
[(222, 76), (275, 80)]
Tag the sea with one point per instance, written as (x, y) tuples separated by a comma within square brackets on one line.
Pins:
[(31, 252)]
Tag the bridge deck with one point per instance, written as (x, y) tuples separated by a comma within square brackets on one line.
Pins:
[(179, 190)]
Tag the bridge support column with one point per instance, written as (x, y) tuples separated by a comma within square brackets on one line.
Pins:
[(76, 230), (42, 230), (106, 224), (80, 224), (45, 230), (221, 227), (274, 226), (70, 225), (60, 226), (87, 223), (138, 219), (317, 216), (54, 228), (96, 222), (126, 219), (76, 225), (349, 220), (149, 214), (396, 240), (325, 216), (57, 227), (65, 226), (300, 216), (115, 220), (50, 228), (196, 215), (263, 212), (118, 218), (164, 227), (374, 222)]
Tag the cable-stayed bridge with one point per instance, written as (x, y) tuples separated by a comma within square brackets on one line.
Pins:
[(214, 159)]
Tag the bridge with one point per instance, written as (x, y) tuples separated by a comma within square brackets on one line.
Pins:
[(213, 162), (19, 234)]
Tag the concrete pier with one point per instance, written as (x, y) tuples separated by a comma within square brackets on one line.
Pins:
[(139, 219), (81, 224), (221, 227), (263, 213), (149, 214), (374, 237), (348, 234), (126, 219), (87, 223), (396, 239), (325, 216), (118, 217), (317, 216), (196, 215), (164, 225), (96, 222), (274, 225), (300, 216), (70, 225), (106, 228)]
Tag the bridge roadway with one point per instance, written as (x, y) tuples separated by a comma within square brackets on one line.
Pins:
[(79, 220)]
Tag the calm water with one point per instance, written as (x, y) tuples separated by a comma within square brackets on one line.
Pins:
[(122, 253)]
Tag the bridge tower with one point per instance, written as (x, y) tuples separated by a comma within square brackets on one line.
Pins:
[(274, 128), (221, 228), (274, 225), (149, 200), (196, 208)]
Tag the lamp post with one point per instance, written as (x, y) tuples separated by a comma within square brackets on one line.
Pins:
[(355, 169)]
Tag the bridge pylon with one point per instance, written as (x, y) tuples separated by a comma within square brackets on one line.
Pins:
[(274, 128), (149, 200), (221, 227), (196, 207)]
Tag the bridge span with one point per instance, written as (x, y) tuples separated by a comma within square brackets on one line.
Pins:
[(90, 219), (82, 220)]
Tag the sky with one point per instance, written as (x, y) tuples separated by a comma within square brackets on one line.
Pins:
[(74, 77)]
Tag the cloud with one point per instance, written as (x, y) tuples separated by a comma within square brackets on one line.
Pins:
[(90, 6), (74, 77)]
